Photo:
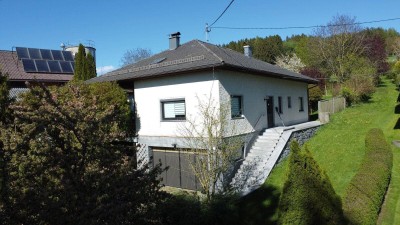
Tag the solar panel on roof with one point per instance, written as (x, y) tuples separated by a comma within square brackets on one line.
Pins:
[(68, 56), (34, 53), (41, 65), (54, 66), (57, 55), (46, 60), (66, 67), (46, 54), (22, 53), (29, 65)]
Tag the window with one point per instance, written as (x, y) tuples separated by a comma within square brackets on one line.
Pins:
[(301, 104), (236, 106), (173, 110), (280, 104), (289, 102)]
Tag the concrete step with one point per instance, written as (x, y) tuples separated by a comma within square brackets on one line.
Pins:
[(262, 149), (267, 139), (272, 131), (269, 136), (265, 144), (264, 154)]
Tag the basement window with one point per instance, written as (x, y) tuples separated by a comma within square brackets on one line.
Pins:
[(173, 109)]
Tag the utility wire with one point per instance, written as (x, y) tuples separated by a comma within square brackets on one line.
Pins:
[(302, 27), (222, 13)]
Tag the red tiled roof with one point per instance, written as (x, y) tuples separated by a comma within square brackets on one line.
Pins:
[(11, 65)]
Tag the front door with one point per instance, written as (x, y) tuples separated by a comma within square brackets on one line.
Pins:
[(270, 111)]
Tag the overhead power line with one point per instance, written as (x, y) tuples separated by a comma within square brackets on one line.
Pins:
[(303, 27), (222, 13)]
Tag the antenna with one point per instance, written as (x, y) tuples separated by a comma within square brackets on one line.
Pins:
[(208, 30)]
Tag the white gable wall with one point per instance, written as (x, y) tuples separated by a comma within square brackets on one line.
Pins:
[(149, 94)]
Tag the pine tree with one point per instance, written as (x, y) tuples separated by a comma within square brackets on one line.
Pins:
[(80, 61), (90, 67), (308, 196)]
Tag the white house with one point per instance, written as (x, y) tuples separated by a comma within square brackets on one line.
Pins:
[(166, 88)]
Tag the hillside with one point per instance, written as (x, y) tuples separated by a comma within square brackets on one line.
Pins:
[(339, 146)]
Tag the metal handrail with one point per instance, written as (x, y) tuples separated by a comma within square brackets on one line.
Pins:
[(258, 120)]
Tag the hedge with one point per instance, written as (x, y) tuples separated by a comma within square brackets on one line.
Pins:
[(366, 191), (308, 196)]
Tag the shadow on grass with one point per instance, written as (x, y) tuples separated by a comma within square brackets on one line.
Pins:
[(397, 109), (397, 125), (260, 206), (313, 117), (398, 98)]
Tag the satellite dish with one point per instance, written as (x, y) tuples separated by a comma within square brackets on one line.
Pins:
[(62, 46)]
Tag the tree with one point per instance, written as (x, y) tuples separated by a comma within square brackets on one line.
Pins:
[(216, 143), (290, 62), (375, 50), (80, 61), (90, 68), (5, 121), (268, 48), (85, 66), (265, 49), (315, 93), (134, 55), (67, 164), (336, 42), (5, 99), (308, 196)]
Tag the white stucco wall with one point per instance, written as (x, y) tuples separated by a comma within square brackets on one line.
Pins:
[(149, 94), (221, 85), (254, 89)]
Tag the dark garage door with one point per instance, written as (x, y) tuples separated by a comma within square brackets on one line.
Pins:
[(179, 172)]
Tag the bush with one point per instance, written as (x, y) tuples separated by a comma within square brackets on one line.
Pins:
[(188, 209), (358, 88), (308, 196), (366, 191), (63, 165)]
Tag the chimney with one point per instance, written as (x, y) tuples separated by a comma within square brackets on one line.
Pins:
[(174, 40), (247, 51)]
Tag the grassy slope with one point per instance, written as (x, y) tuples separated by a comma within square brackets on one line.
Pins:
[(339, 146)]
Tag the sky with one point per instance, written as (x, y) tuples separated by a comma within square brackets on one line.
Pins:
[(114, 27)]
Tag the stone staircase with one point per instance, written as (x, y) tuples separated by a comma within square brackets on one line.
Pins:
[(257, 164)]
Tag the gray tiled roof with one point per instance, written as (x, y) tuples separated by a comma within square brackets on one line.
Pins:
[(197, 55)]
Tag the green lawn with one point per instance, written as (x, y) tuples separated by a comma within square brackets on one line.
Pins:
[(339, 146)]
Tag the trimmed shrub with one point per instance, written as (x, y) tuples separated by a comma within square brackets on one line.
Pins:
[(366, 191), (308, 196)]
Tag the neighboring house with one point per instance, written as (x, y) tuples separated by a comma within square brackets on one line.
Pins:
[(49, 67), (166, 87)]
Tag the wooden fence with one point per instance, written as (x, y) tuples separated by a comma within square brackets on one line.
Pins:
[(330, 106)]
